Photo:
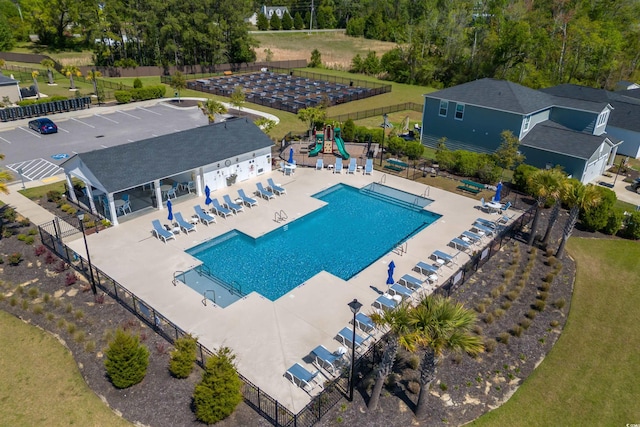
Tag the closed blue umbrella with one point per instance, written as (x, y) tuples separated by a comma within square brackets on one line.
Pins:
[(170, 209), (496, 198), (207, 193), (390, 280), (290, 161)]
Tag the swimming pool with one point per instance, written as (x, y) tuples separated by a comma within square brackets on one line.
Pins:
[(355, 228)]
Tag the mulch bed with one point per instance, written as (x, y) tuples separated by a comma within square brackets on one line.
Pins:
[(464, 387)]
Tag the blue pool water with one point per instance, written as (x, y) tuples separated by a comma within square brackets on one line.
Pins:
[(354, 228)]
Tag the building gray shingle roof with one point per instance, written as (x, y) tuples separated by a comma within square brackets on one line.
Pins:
[(129, 165), (553, 137), (7, 81)]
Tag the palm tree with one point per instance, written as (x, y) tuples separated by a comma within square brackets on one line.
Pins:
[(555, 188), (578, 196), (49, 64), (440, 325), (543, 183), (71, 71), (397, 321), (5, 176), (211, 108)]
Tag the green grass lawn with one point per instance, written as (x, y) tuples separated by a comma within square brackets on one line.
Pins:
[(590, 377), (40, 383)]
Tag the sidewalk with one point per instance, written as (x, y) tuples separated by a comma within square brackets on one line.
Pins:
[(621, 188)]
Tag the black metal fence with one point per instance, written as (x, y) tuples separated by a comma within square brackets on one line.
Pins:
[(42, 109), (268, 407), (377, 112)]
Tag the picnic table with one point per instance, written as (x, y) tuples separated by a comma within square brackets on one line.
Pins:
[(470, 186), (395, 165)]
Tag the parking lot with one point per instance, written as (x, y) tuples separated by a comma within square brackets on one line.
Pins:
[(32, 156)]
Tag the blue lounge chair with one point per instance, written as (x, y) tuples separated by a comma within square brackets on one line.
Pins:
[(246, 199), (219, 209), (482, 230), (326, 360), (506, 218), (471, 237), (398, 289), (184, 225), (263, 192), (319, 164), (275, 188), (160, 232), (364, 323), (338, 167), (443, 258), (304, 379), (231, 204), (204, 217), (345, 337), (486, 223), (410, 281), (427, 270), (368, 167), (352, 165), (505, 207), (459, 244), (383, 302)]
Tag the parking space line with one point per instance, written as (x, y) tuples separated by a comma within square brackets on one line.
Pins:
[(130, 140), (149, 111), (130, 115), (80, 121), (63, 130), (106, 118), (5, 140), (37, 135), (154, 135), (104, 146), (36, 169)]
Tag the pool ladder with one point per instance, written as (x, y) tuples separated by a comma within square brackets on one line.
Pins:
[(383, 178), (175, 277), (426, 191), (204, 294), (280, 216), (401, 248)]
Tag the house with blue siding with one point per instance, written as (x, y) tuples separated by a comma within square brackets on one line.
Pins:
[(552, 130)]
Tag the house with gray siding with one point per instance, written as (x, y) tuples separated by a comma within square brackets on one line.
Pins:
[(552, 130)]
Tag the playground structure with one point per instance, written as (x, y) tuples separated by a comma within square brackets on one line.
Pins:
[(326, 140)]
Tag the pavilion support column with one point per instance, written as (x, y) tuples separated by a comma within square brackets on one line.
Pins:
[(112, 209), (92, 205), (72, 193), (199, 176), (156, 188)]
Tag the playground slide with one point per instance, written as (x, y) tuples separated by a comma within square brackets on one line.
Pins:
[(341, 149), (316, 149)]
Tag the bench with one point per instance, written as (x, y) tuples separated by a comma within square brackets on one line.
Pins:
[(228, 73), (397, 163), (470, 186), (393, 168)]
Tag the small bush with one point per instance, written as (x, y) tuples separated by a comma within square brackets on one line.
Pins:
[(543, 295), (9, 214), (545, 286), (525, 323), (539, 305), (39, 250), (50, 316), (68, 308), (32, 231), (413, 387), (502, 288), (456, 358), (46, 298), (33, 293), (504, 337), (559, 303), (477, 329), (508, 274), (14, 259), (488, 319), (13, 301), (78, 314), (60, 266), (531, 314), (481, 308), (554, 323), (61, 323), (506, 305), (392, 380), (218, 393), (551, 261), (24, 304), (126, 360), (137, 83), (54, 196), (90, 346), (498, 313), (495, 292), (183, 357), (49, 258), (70, 278), (512, 295), (443, 387), (549, 277), (71, 328), (79, 336), (414, 362), (516, 330)]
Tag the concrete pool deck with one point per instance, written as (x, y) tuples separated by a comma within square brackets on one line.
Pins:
[(269, 337)]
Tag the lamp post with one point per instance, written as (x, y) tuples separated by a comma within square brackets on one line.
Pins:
[(21, 176), (86, 247), (355, 306), (95, 85), (385, 121)]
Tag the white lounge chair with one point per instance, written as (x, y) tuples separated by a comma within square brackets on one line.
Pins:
[(301, 377), (246, 199), (184, 225), (275, 187), (204, 217), (160, 232), (231, 204)]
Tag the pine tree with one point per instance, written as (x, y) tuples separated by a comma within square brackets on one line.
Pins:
[(263, 22), (126, 360), (275, 23), (298, 23), (218, 393), (287, 22), (183, 357)]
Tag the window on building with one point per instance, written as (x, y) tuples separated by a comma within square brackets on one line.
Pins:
[(525, 123), (602, 118), (459, 111), (444, 108)]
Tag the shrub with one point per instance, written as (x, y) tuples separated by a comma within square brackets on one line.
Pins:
[(29, 240), (512, 295), (15, 258), (614, 222), (545, 286), (504, 337), (90, 346), (525, 323), (521, 176), (49, 258), (631, 226), (554, 323), (183, 357), (126, 360), (218, 393), (551, 261), (495, 292), (46, 298), (443, 387), (9, 214), (78, 314), (24, 304), (38, 309), (414, 362), (413, 387), (596, 217), (488, 319), (60, 266), (122, 96), (477, 329), (33, 293), (543, 295), (559, 304), (480, 308), (54, 196), (137, 83), (68, 308), (539, 305), (490, 344), (516, 330), (549, 277), (39, 250), (79, 336), (70, 279), (506, 305), (498, 312), (531, 314), (71, 328), (50, 316), (508, 274)]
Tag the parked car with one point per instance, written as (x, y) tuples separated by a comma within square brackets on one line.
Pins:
[(43, 125), (636, 185)]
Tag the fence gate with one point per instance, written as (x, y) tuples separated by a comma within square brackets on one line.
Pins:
[(60, 229)]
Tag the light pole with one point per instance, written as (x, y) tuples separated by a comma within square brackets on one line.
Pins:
[(21, 176), (95, 85), (86, 247), (385, 119), (355, 308)]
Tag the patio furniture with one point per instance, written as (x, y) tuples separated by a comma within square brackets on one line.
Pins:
[(301, 377)]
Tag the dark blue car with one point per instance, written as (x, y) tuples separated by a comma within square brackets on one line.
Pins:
[(43, 125)]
